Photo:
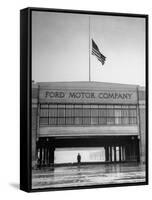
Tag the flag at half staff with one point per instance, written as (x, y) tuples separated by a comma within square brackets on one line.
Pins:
[(97, 53)]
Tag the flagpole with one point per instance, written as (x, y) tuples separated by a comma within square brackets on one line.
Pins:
[(89, 54)]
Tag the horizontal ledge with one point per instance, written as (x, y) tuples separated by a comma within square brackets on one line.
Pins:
[(88, 131)]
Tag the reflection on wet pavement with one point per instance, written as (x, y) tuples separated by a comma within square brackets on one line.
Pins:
[(84, 175)]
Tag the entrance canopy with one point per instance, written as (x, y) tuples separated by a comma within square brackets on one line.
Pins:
[(89, 131)]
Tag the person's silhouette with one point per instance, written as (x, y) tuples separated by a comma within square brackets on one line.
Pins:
[(79, 158)]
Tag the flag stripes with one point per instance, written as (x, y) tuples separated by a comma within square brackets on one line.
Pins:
[(97, 53)]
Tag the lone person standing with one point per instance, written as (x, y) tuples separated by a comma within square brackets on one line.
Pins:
[(79, 159)]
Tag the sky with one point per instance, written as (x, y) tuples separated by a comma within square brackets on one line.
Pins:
[(60, 48)]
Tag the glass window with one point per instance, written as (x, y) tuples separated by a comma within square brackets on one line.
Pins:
[(103, 121), (69, 120), (110, 113), (125, 120), (44, 121), (117, 116), (132, 113), (86, 120), (110, 120), (53, 121), (125, 107), (102, 113), (124, 113), (86, 111), (82, 114), (132, 106), (53, 111), (44, 106), (94, 121), (102, 106), (110, 106), (117, 106), (44, 113), (78, 120), (78, 111), (133, 120), (61, 110), (94, 112)]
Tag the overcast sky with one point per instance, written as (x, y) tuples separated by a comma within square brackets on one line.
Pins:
[(60, 48)]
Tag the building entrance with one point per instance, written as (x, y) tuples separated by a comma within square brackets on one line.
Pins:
[(109, 149)]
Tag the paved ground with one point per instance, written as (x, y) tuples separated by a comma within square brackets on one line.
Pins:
[(88, 175)]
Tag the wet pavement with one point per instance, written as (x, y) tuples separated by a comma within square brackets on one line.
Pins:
[(95, 174)]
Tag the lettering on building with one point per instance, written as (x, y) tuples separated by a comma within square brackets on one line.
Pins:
[(88, 95)]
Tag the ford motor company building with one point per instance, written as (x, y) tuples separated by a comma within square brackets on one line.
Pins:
[(87, 115)]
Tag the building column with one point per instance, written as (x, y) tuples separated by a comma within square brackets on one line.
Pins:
[(110, 153), (106, 154), (40, 156), (114, 153), (51, 155), (120, 153)]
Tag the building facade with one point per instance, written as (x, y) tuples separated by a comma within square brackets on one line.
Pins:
[(107, 116)]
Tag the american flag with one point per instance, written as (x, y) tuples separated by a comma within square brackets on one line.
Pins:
[(97, 53)]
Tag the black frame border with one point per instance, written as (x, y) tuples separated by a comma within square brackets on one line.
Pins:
[(26, 94)]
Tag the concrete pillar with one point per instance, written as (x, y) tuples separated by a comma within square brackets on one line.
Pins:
[(106, 153), (120, 153), (51, 155), (110, 154), (114, 153)]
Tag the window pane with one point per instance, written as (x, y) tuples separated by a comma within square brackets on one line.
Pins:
[(125, 120), (86, 120), (53, 112), (78, 112), (53, 121), (132, 106), (117, 106), (117, 120), (103, 120), (110, 120), (110, 106), (86, 112), (86, 106), (61, 120), (43, 121), (44, 106), (94, 120), (94, 112), (110, 113), (69, 120), (78, 120), (102, 106), (117, 113), (132, 113), (125, 107), (44, 113), (69, 106), (125, 113), (133, 120), (69, 112), (102, 112), (94, 106), (61, 111), (52, 106), (78, 106)]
